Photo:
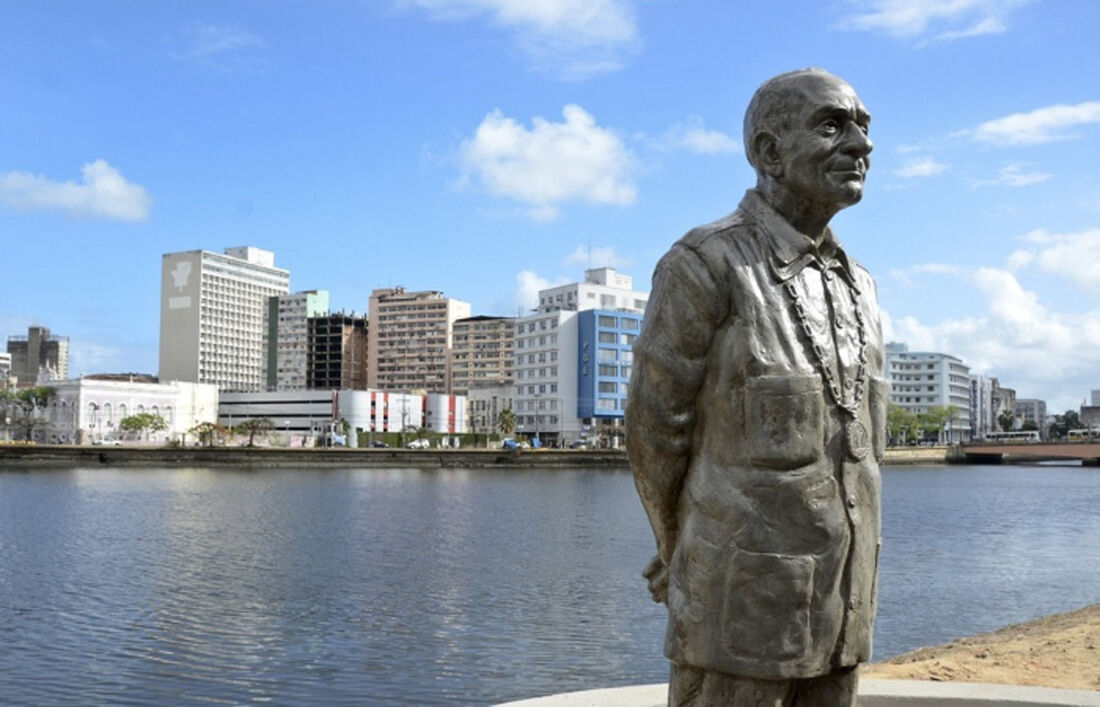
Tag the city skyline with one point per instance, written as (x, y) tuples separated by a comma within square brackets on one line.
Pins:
[(490, 148)]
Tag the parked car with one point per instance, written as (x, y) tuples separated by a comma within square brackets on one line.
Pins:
[(108, 442), (379, 444), (418, 444)]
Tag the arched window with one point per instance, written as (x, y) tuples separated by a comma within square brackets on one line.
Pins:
[(140, 409), (168, 414), (107, 414), (92, 407), (121, 410)]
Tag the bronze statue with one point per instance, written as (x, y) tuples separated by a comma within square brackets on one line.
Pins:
[(757, 420)]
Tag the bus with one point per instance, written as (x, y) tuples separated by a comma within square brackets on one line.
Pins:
[(1082, 435), (1014, 437)]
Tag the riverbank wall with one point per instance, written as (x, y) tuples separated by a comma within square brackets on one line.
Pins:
[(67, 455), (134, 456)]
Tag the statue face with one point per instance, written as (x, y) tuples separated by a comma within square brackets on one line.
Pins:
[(824, 153)]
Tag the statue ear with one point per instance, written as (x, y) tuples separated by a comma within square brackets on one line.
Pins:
[(765, 146)]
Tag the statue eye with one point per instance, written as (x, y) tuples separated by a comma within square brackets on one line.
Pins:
[(830, 126)]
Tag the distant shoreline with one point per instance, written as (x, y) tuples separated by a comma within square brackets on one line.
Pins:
[(84, 455), (134, 456)]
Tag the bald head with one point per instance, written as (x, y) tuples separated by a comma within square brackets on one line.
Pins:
[(778, 103)]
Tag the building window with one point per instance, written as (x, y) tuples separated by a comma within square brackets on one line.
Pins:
[(608, 322), (607, 337), (608, 387), (608, 355)]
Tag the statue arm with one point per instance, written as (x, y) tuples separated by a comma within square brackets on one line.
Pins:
[(670, 358)]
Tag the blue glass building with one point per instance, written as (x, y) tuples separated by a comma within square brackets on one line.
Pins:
[(605, 340)]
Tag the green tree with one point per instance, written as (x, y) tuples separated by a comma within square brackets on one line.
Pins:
[(26, 408), (932, 420), (506, 421), (142, 422), (257, 426), (901, 424), (208, 433), (1062, 424), (1007, 420)]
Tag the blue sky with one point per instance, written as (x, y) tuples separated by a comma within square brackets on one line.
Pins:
[(489, 147)]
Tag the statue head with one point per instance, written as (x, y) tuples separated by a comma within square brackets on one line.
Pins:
[(806, 136)]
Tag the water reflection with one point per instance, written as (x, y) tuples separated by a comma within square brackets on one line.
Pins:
[(446, 586)]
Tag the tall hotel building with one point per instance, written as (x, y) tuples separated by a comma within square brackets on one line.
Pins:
[(410, 338), (212, 309)]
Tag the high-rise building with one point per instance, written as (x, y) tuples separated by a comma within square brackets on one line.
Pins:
[(1095, 398), (337, 352), (286, 342), (921, 380), (212, 315), (482, 353), (410, 339), (562, 393), (36, 353)]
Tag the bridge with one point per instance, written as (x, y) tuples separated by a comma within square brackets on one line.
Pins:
[(1000, 452)]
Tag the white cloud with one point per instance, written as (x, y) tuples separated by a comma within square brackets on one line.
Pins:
[(573, 39), (528, 286), (224, 49), (1073, 256), (102, 193), (585, 257), (1039, 352), (924, 167), (1013, 176), (550, 163), (694, 136), (1038, 126), (931, 20)]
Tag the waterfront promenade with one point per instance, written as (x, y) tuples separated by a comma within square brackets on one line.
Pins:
[(65, 455)]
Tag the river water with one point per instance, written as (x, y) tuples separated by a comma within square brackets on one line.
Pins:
[(196, 586)]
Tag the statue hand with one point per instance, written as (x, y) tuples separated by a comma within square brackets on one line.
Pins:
[(656, 573)]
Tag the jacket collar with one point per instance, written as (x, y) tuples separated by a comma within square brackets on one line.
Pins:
[(792, 250)]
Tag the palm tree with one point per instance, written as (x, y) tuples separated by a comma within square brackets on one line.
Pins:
[(506, 421)]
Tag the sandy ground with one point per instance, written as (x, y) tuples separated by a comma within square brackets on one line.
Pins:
[(1062, 650)]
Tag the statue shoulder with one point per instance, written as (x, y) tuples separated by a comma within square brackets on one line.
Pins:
[(708, 244)]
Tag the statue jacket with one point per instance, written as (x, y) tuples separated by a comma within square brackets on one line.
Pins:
[(768, 524)]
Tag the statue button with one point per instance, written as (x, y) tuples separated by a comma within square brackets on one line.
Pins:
[(852, 603), (851, 502)]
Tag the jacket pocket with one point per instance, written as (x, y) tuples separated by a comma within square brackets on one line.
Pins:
[(784, 421), (766, 612), (879, 398)]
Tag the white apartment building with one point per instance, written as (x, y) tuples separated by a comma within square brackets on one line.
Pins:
[(410, 339), (89, 409), (548, 358), (212, 315), (602, 288), (286, 337), (921, 380)]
